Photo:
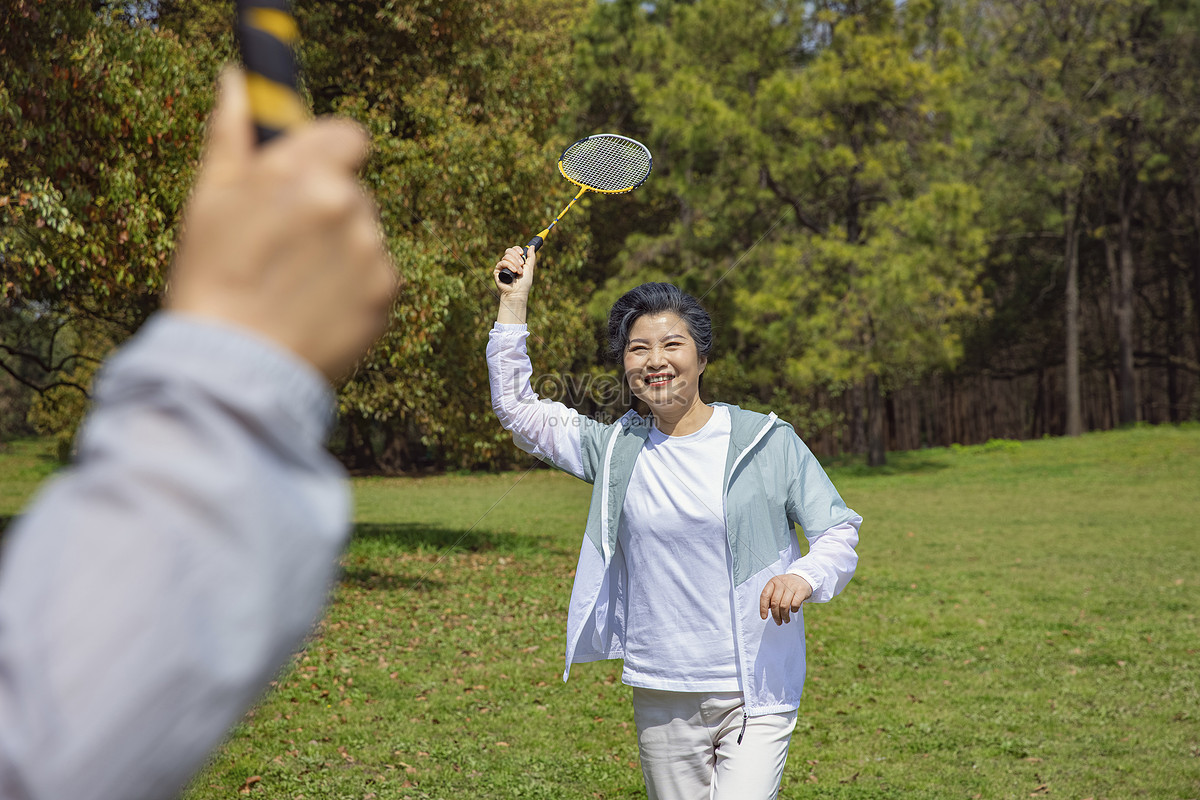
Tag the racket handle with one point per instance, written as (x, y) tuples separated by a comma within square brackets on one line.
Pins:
[(267, 33), (507, 275)]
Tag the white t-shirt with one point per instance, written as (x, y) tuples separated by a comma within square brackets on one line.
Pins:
[(679, 603)]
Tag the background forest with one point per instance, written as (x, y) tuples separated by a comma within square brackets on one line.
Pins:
[(915, 223)]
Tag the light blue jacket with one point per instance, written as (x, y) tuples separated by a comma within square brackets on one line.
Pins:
[(772, 482)]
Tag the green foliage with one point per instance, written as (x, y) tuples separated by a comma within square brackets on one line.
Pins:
[(46, 356), (862, 193), (102, 126), (59, 408), (462, 100), (817, 166), (1078, 106)]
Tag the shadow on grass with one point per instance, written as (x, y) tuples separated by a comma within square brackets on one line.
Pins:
[(403, 538), (5, 521), (371, 580), (414, 537), (913, 462)]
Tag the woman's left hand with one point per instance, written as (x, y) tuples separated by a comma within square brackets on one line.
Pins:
[(782, 596)]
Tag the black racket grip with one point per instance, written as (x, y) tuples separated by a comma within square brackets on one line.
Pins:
[(507, 275), (267, 33)]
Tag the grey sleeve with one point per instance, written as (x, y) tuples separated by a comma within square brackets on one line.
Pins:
[(152, 589)]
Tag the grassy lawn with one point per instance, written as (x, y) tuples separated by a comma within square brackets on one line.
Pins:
[(1023, 624), (24, 465)]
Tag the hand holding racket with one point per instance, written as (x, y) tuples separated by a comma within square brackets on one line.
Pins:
[(520, 263), (605, 163)]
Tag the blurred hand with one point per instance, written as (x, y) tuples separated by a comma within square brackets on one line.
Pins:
[(782, 596), (521, 262), (283, 240)]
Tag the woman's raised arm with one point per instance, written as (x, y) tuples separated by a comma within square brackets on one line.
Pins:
[(514, 297), (544, 428)]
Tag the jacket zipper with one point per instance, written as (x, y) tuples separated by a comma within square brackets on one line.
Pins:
[(737, 620), (605, 547)]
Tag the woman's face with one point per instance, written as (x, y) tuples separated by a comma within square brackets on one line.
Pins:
[(662, 364)]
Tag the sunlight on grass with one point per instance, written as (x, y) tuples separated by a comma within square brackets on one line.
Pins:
[(1023, 623), (24, 464)]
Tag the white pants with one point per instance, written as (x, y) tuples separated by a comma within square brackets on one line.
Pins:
[(689, 746)]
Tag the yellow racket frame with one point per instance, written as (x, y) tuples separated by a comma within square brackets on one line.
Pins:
[(584, 188), (505, 275)]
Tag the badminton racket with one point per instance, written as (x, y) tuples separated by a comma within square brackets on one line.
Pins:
[(605, 163), (267, 35)]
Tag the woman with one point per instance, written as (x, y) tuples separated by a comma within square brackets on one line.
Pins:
[(690, 545)]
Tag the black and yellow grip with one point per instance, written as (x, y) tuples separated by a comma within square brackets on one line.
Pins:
[(268, 34), (506, 274)]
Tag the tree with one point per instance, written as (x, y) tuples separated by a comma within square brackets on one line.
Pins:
[(1087, 112), (463, 102), (814, 157), (102, 119), (1175, 166), (1048, 119)]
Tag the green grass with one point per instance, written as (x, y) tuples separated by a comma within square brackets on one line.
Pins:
[(1023, 623), (24, 464)]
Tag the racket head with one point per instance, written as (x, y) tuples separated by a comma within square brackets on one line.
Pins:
[(607, 163)]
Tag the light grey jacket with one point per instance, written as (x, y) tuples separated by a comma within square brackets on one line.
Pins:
[(155, 587)]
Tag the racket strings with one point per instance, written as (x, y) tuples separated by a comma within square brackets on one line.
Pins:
[(606, 163)]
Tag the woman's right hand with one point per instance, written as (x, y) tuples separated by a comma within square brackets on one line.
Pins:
[(522, 262)]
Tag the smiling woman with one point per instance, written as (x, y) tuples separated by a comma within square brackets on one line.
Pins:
[(690, 544), (663, 338)]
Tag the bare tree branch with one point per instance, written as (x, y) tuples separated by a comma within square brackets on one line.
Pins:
[(47, 366), (803, 218), (43, 388)]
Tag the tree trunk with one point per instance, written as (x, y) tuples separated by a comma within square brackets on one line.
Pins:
[(1175, 345), (358, 454), (858, 430), (1124, 297), (395, 456), (876, 427), (1195, 277), (1071, 262)]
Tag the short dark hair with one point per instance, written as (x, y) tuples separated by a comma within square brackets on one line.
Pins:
[(655, 298)]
